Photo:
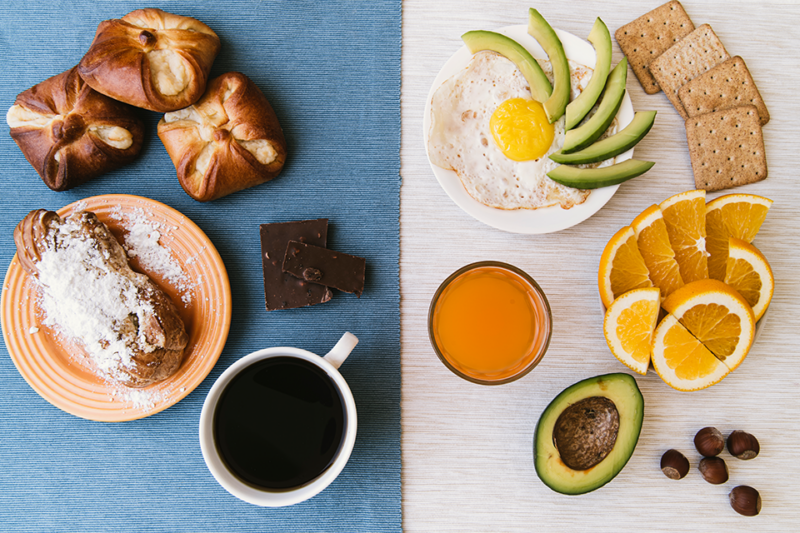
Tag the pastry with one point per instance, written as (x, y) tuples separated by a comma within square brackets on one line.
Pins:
[(226, 142), (129, 328), (151, 59), (71, 133)]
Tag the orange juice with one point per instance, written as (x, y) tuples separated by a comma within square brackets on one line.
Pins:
[(489, 323)]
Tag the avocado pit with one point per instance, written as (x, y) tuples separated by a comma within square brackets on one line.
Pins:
[(586, 431)]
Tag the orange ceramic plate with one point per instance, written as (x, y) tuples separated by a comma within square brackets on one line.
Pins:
[(59, 370)]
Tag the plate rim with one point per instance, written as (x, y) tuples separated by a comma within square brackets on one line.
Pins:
[(123, 414), (535, 221)]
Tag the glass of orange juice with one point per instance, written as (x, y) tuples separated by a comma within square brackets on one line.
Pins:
[(490, 323)]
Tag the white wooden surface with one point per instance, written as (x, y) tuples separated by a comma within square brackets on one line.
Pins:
[(467, 449)]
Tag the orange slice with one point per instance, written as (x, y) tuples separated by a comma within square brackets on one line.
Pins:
[(685, 217), (750, 274), (621, 267), (717, 316), (653, 241), (732, 215), (681, 360), (629, 325)]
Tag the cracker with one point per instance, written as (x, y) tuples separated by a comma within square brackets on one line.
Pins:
[(649, 36), (726, 148), (693, 55), (727, 85)]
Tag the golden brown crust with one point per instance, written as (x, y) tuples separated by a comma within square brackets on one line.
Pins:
[(29, 237), (214, 144), (58, 134), (160, 328), (119, 62)]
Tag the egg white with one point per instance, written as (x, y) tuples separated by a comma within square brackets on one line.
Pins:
[(460, 138)]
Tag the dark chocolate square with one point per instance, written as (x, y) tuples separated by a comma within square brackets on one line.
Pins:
[(326, 267), (283, 291)]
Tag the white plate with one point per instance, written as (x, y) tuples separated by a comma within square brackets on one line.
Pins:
[(547, 219)]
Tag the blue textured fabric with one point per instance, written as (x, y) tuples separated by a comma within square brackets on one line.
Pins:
[(332, 73)]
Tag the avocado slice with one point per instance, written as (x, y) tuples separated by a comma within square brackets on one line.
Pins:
[(584, 135), (497, 42), (594, 178), (611, 146), (578, 108), (588, 432), (555, 106)]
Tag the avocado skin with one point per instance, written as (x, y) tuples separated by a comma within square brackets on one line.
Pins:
[(580, 107), (556, 105), (618, 143), (584, 135), (594, 178), (622, 389), (509, 48)]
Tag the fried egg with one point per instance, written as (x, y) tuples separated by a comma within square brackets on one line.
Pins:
[(486, 127)]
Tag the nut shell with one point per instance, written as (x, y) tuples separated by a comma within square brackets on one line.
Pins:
[(745, 500), (709, 442), (714, 470), (674, 464), (743, 445)]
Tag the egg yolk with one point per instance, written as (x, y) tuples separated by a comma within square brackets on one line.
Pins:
[(521, 129)]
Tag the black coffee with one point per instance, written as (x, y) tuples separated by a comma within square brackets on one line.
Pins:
[(279, 423)]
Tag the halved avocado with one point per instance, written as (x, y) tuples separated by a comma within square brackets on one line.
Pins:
[(538, 27), (611, 146), (578, 108), (497, 42), (584, 135), (594, 178), (588, 432)]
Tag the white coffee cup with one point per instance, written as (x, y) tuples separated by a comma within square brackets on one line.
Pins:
[(280, 498)]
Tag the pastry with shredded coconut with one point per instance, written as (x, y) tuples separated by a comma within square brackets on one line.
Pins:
[(129, 328)]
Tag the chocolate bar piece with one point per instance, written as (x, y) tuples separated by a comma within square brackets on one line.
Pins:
[(326, 267), (281, 290)]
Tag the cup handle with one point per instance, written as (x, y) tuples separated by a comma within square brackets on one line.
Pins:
[(339, 353)]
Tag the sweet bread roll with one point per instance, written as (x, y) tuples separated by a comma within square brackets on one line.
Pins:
[(151, 59), (71, 133), (129, 328), (226, 142)]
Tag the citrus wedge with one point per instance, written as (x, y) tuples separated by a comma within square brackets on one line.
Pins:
[(653, 242), (629, 325), (732, 215), (621, 267), (685, 217), (681, 360), (750, 274), (717, 316)]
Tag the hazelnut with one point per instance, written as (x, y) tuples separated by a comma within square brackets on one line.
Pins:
[(709, 442), (743, 445), (674, 464), (714, 470), (745, 500)]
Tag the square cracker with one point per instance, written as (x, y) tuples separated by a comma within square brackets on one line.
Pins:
[(693, 55), (726, 148), (649, 36), (727, 85)]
